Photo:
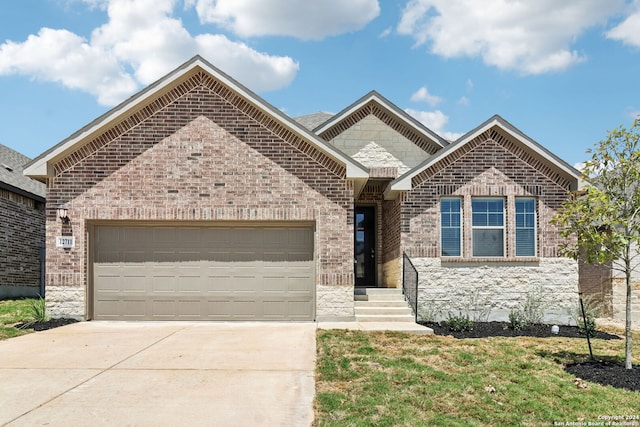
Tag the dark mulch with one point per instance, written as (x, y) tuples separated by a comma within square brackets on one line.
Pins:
[(605, 372), (502, 329), (43, 326)]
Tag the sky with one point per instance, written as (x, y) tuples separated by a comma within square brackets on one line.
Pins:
[(563, 72)]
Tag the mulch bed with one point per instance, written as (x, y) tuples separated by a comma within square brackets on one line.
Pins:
[(43, 326), (604, 372), (502, 329)]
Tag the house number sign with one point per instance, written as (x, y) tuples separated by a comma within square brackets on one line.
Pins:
[(65, 241)]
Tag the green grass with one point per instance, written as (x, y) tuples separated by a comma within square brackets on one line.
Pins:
[(395, 379), (12, 312)]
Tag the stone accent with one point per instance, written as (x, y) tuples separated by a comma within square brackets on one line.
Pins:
[(334, 303), (500, 286), (199, 154), (66, 301), (21, 241), (375, 144)]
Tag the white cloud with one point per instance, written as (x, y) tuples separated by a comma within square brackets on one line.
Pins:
[(423, 95), (303, 19), (531, 37), (63, 57), (434, 120), (628, 31), (140, 42)]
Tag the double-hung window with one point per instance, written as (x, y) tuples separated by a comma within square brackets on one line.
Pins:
[(451, 226), (487, 226), (525, 226)]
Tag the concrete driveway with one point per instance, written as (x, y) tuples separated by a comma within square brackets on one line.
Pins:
[(160, 374)]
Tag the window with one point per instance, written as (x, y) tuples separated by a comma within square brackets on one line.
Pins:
[(525, 227), (487, 227), (450, 227)]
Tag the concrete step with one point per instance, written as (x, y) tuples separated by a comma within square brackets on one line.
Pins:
[(386, 318), (382, 311), (383, 303)]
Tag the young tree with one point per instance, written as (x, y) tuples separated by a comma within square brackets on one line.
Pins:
[(602, 222)]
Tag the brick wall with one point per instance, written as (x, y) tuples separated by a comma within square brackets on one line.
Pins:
[(595, 281), (21, 239), (488, 166), (201, 153)]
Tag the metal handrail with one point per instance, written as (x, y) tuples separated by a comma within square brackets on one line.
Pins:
[(410, 283)]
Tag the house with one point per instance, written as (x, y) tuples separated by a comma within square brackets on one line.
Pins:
[(196, 199), (22, 228)]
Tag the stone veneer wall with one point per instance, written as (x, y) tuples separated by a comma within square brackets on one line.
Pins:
[(21, 240), (501, 287), (200, 154), (389, 148)]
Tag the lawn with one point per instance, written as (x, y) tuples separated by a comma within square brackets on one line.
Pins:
[(396, 379), (12, 312)]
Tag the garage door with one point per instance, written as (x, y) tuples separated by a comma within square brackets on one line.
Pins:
[(203, 273)]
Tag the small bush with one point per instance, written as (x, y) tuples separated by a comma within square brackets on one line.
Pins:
[(459, 323), (38, 310), (533, 307), (517, 320), (592, 310), (429, 311)]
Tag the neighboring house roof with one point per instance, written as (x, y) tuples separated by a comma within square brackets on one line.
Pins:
[(43, 166), (12, 177), (563, 169), (374, 103), (312, 121)]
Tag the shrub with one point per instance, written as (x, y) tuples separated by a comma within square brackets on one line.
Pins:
[(517, 321), (459, 323), (38, 310), (429, 312), (533, 307), (592, 310)]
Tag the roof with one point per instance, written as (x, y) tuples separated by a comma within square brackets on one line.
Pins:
[(42, 166), (12, 177), (312, 121), (407, 123), (404, 182)]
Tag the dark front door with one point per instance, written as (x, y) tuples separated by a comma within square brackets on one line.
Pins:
[(365, 244)]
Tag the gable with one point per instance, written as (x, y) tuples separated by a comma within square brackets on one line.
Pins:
[(375, 106), (376, 145), (194, 78), (494, 141), (203, 164)]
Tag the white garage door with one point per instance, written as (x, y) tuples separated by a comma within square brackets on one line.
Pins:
[(203, 273)]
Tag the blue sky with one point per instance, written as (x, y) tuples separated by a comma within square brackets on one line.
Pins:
[(562, 72)]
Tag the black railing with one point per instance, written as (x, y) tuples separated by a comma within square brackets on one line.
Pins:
[(410, 284)]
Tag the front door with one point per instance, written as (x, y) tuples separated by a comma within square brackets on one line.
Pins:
[(365, 244)]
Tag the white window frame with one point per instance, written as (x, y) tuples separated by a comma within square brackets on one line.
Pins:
[(491, 227), (460, 227), (535, 227)]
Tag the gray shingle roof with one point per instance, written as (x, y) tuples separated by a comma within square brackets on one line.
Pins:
[(12, 178), (312, 121)]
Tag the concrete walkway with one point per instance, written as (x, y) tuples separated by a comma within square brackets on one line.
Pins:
[(160, 374)]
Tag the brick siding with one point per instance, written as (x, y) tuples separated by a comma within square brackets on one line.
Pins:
[(595, 281), (201, 153), (21, 240), (490, 165)]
